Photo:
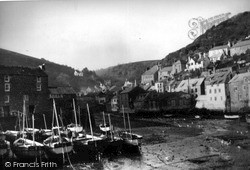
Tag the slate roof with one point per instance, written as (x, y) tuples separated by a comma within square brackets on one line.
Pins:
[(191, 82), (166, 69), (15, 70), (242, 43), (62, 90), (151, 71), (240, 77), (218, 78), (219, 47)]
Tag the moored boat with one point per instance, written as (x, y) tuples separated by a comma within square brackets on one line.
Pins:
[(5, 151), (231, 116)]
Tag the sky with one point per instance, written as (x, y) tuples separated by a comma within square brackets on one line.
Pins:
[(101, 33)]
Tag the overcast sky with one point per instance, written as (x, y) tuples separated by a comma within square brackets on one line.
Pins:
[(101, 33)]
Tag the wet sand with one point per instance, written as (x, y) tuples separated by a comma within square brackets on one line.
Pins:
[(190, 144)]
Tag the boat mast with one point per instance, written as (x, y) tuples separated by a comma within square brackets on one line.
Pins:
[(57, 122), (90, 124), (33, 126), (24, 110), (74, 106), (104, 122), (129, 126), (124, 121), (79, 112), (110, 125), (45, 125)]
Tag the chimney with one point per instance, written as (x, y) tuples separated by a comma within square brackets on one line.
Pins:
[(42, 67)]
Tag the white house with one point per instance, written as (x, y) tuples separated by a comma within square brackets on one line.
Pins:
[(159, 87), (78, 73), (198, 62), (215, 53), (217, 92), (240, 47)]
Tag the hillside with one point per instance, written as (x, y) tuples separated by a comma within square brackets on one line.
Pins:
[(130, 71), (233, 29), (59, 75)]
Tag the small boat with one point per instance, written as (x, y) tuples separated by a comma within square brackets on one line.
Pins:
[(57, 146), (28, 149), (197, 116), (168, 115), (231, 116), (248, 118)]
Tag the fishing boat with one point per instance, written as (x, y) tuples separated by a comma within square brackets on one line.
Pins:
[(88, 146), (248, 118), (25, 148), (132, 141), (57, 146)]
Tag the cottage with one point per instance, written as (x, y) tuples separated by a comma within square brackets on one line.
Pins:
[(150, 76), (165, 73), (178, 67), (218, 51), (239, 91), (194, 86), (240, 47), (198, 62), (22, 83), (127, 97)]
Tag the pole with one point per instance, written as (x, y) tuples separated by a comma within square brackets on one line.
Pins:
[(110, 127), (129, 126), (79, 112), (45, 125), (90, 124)]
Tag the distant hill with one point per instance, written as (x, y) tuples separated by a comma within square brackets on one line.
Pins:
[(233, 29), (130, 71), (59, 75)]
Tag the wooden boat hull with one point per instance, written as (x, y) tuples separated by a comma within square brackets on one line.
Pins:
[(231, 116), (31, 152)]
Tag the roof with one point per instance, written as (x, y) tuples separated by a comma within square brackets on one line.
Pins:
[(15, 70), (240, 77), (151, 71), (166, 69), (218, 77), (190, 82), (127, 90), (242, 43), (61, 90), (219, 47)]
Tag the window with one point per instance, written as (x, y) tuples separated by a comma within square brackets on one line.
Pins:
[(215, 98), (6, 87), (6, 79), (240, 96), (210, 91), (219, 90), (192, 90), (38, 87), (211, 98), (172, 102), (244, 87), (38, 79), (235, 89), (181, 103), (221, 97), (214, 91), (6, 99), (195, 90)]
